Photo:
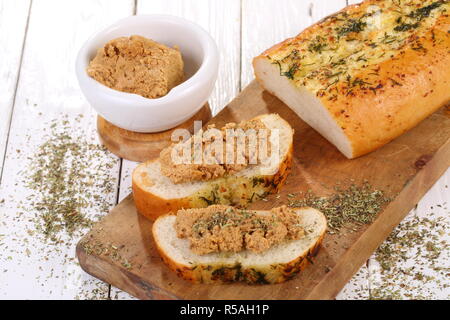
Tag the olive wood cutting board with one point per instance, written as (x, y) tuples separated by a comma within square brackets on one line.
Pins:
[(120, 249)]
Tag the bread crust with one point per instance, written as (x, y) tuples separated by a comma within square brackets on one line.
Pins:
[(222, 274), (152, 206), (371, 119)]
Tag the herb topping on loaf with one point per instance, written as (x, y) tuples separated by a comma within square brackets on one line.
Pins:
[(329, 60)]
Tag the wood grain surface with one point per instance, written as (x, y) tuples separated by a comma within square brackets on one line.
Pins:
[(48, 91), (39, 41), (13, 16), (404, 170), (136, 146)]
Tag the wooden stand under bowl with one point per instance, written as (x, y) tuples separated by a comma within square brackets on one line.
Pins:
[(137, 146)]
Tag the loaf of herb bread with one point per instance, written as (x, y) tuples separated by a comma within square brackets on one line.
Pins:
[(155, 194), (277, 264), (365, 75)]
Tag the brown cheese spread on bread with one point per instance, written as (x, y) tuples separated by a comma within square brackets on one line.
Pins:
[(216, 165), (137, 65), (154, 193), (367, 74), (227, 229), (275, 265)]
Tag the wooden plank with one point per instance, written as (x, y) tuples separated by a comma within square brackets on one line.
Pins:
[(434, 196), (124, 190), (404, 170), (210, 15), (354, 1), (358, 286), (437, 195), (48, 91), (278, 20), (13, 17), (224, 86), (265, 25), (408, 283), (213, 16)]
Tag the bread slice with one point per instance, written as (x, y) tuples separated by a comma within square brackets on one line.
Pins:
[(365, 75), (278, 264), (154, 194)]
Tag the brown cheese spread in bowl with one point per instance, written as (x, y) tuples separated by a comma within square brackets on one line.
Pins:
[(227, 229), (138, 65)]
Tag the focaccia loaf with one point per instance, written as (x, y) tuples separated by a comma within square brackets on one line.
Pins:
[(367, 74)]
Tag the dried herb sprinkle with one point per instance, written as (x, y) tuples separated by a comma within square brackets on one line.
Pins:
[(357, 205), (67, 180)]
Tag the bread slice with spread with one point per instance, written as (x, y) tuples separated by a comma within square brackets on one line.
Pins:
[(155, 193), (278, 263), (365, 75)]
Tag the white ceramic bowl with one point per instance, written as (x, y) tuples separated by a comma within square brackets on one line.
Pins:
[(134, 112)]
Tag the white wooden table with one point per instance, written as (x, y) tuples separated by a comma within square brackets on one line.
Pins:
[(39, 40)]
